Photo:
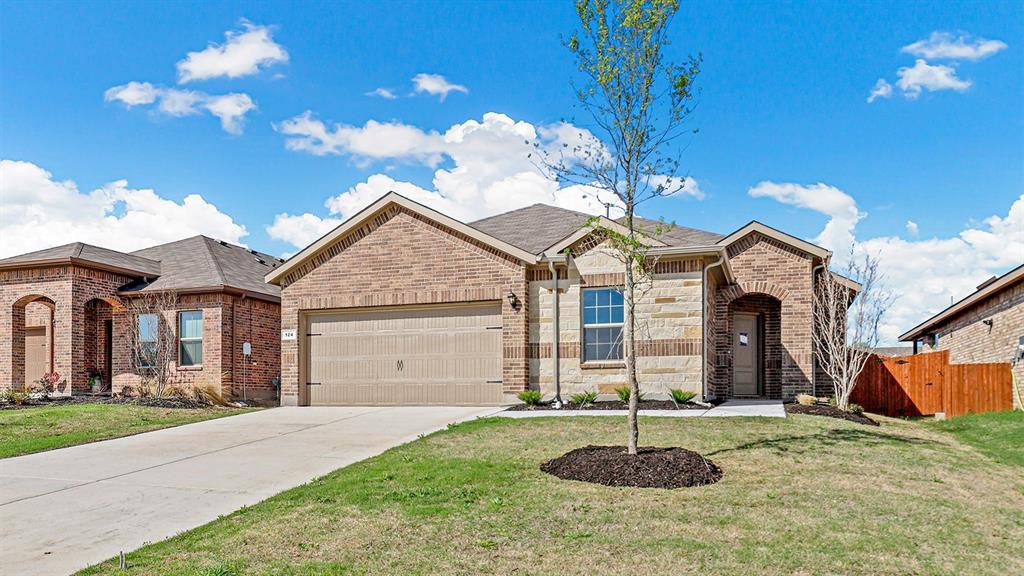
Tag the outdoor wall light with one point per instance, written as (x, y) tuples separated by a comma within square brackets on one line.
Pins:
[(513, 301)]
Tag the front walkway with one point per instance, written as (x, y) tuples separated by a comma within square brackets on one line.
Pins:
[(66, 509), (764, 408)]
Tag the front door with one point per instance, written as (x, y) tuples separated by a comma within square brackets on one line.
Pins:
[(746, 355), (37, 354)]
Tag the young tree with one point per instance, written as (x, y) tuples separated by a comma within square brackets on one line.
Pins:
[(151, 342), (846, 319), (638, 101)]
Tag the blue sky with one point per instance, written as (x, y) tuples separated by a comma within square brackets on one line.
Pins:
[(784, 92)]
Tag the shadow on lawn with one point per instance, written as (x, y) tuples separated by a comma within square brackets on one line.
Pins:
[(809, 442)]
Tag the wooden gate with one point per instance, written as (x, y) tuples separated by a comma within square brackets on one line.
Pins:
[(923, 384)]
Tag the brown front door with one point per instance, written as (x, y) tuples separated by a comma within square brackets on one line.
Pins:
[(37, 354), (746, 354)]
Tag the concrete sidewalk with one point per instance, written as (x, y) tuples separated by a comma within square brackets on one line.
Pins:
[(763, 408), (66, 509)]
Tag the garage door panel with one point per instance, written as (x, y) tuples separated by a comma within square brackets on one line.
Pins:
[(429, 355)]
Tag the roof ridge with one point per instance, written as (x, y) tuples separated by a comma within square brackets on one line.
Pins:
[(213, 258)]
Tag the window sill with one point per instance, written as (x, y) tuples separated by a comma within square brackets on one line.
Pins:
[(195, 368), (599, 365)]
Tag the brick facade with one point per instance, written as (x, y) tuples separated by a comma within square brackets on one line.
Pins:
[(971, 341), (79, 301), (399, 257), (770, 276)]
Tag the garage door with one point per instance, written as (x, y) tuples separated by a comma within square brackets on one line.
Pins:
[(412, 356)]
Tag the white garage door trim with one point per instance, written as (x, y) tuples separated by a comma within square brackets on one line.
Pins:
[(447, 354)]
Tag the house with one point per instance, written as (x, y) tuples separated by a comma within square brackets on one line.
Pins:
[(401, 304), (68, 309), (986, 326)]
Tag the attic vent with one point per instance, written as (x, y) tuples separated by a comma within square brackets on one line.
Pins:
[(987, 282), (261, 261), (222, 243), (253, 252)]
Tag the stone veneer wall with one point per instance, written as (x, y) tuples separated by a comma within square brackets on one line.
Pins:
[(668, 327), (399, 258), (970, 341)]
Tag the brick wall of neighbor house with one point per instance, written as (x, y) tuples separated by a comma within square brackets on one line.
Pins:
[(401, 258), (766, 266), (710, 323), (971, 341), (259, 323), (668, 326)]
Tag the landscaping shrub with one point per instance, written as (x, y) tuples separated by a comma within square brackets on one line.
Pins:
[(530, 397), (584, 398), (806, 399), (623, 394), (681, 396), (855, 408)]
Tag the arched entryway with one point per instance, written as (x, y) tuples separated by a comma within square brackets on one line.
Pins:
[(755, 329), (32, 340), (98, 343)]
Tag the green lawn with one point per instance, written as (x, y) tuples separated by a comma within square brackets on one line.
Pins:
[(804, 495), (1000, 435), (37, 429)]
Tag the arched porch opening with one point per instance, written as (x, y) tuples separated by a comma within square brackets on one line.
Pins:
[(98, 345), (32, 340), (754, 326)]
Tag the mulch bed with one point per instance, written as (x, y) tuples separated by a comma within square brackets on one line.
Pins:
[(831, 412), (650, 468), (615, 405), (91, 399)]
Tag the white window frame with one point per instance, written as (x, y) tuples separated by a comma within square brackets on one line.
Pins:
[(584, 326), (182, 340)]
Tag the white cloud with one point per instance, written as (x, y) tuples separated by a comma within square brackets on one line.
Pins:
[(373, 141), (385, 93), (924, 274), (882, 89), (132, 93), (39, 212), (839, 206), (436, 85), (229, 108), (912, 228), (943, 45), (489, 172), (924, 76), (243, 54)]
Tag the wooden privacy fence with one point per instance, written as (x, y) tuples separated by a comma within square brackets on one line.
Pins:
[(923, 384)]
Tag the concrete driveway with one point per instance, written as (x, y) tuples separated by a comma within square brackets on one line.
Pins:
[(67, 509)]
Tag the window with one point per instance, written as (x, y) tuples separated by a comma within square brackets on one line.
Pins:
[(602, 324), (148, 326), (190, 338)]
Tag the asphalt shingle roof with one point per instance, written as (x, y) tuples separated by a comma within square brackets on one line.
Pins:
[(89, 253), (202, 262), (536, 228)]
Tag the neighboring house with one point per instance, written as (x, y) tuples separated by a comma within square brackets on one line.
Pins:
[(64, 311), (986, 326), (401, 304)]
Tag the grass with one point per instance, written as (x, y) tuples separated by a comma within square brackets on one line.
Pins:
[(804, 495), (30, 430), (999, 435)]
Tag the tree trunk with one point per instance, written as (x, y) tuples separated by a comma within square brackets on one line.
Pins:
[(629, 354)]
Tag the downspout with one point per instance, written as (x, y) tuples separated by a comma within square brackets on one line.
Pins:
[(555, 337), (704, 326), (814, 359)]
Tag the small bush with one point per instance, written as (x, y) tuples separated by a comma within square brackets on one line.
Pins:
[(15, 397), (682, 396), (623, 394), (806, 399), (530, 397), (584, 398), (854, 408)]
